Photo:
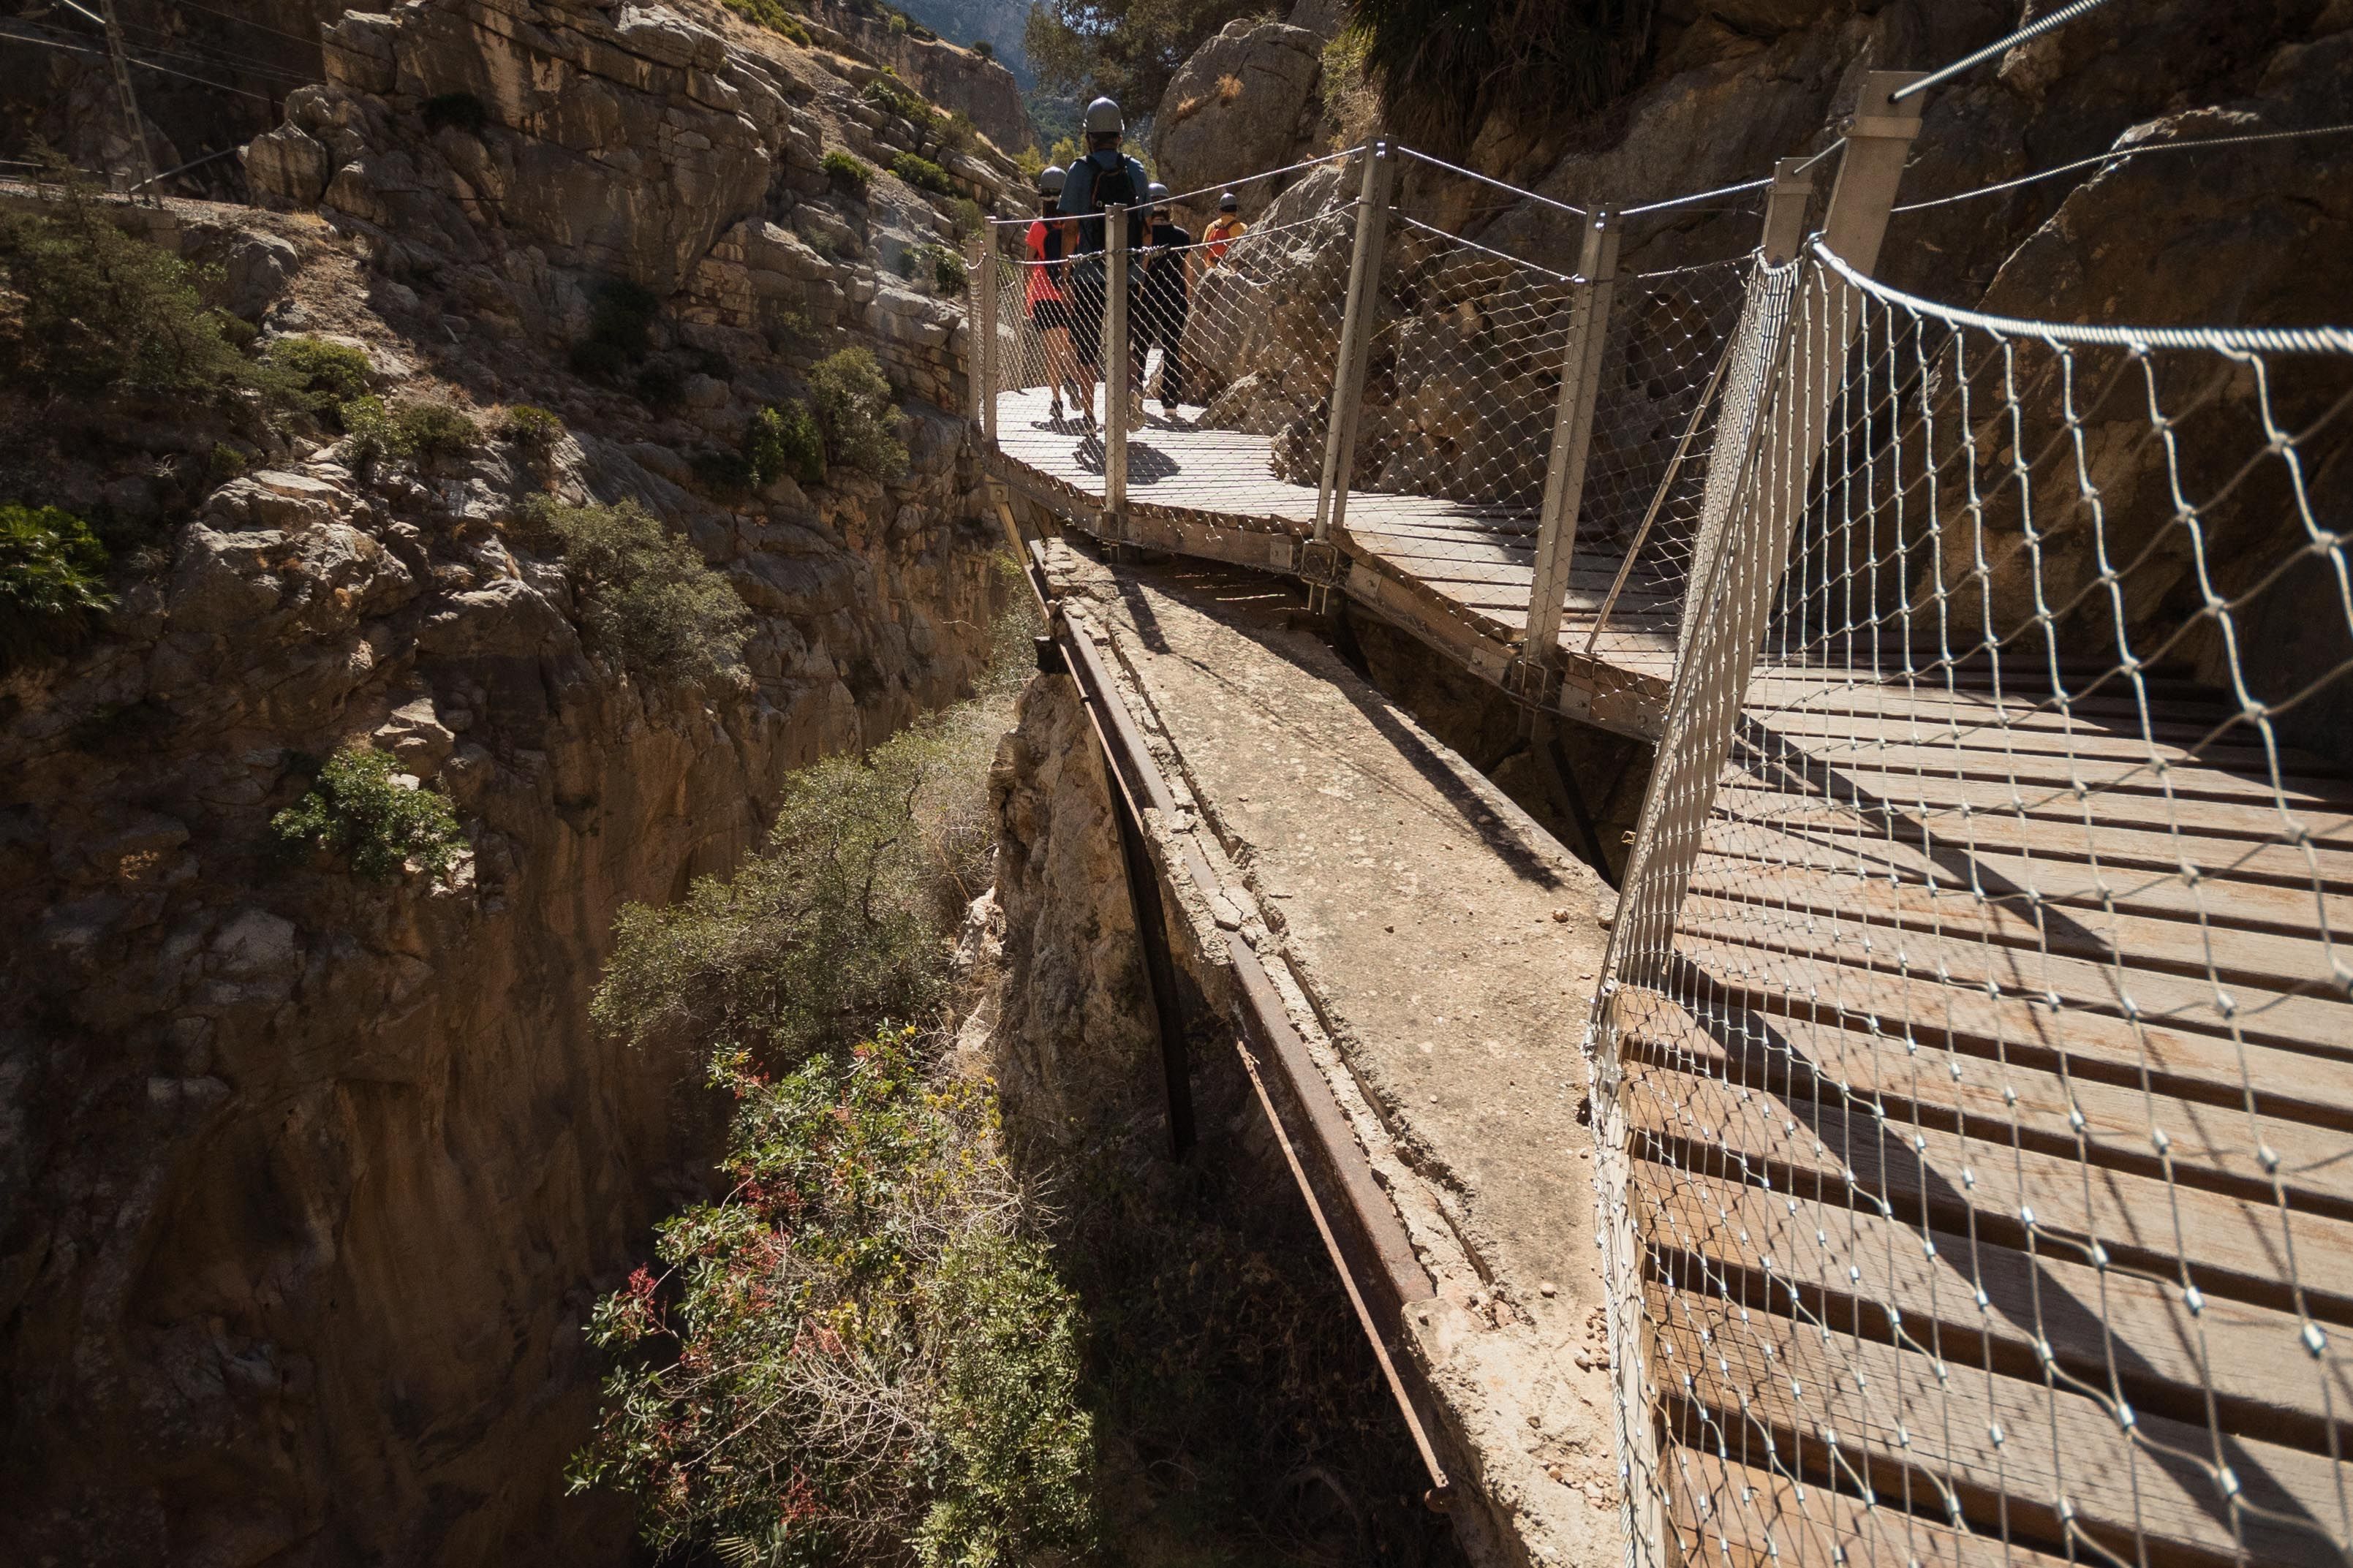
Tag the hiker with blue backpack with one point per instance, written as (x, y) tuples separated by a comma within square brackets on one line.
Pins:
[(1105, 177)]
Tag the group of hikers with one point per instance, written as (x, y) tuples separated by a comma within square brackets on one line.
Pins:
[(1068, 290)]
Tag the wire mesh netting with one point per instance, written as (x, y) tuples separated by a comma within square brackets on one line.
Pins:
[(1974, 1057)]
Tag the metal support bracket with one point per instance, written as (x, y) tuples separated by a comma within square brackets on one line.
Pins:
[(1324, 569), (982, 325)]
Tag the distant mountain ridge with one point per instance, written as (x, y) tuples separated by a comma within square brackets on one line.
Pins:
[(998, 23)]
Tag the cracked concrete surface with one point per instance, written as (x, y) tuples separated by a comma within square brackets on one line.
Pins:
[(1442, 945)]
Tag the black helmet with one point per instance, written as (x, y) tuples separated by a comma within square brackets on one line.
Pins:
[(1229, 202)]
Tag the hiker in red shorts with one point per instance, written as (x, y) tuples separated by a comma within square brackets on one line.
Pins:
[(1049, 307)]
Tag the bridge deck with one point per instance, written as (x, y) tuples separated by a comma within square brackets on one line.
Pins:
[(2003, 1023), (1456, 573)]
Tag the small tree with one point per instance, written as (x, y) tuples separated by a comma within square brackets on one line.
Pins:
[(647, 599), (784, 439), (358, 807), (98, 312), (52, 579), (852, 401)]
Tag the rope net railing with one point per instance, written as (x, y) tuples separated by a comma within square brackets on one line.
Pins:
[(1234, 355), (1974, 1057)]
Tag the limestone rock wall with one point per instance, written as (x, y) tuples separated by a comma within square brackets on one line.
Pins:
[(952, 76), (307, 1184)]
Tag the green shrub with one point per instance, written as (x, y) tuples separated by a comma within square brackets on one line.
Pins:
[(428, 429), (226, 462), (52, 579), (898, 22), (620, 329), (984, 48), (771, 14), (947, 268), (422, 427), (923, 174), (844, 170), (857, 1355), (852, 403), (323, 373), (647, 599), (533, 431), (96, 311), (783, 440), (967, 215), (356, 808), (726, 478)]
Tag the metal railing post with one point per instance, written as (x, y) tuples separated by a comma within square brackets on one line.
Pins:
[(129, 99), (1357, 328), (1772, 430), (1572, 439), (983, 329), (1784, 211), (1114, 355)]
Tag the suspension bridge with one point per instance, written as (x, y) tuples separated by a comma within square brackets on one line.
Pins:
[(1971, 1067)]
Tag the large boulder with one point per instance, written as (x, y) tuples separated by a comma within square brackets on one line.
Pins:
[(1235, 109), (288, 168)]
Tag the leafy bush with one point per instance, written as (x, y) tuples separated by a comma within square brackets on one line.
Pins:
[(428, 428), (97, 312), (984, 48), (420, 427), (947, 270), (620, 329), (322, 372), (856, 1353), (726, 478), (462, 110), (923, 174), (784, 439), (356, 807), (844, 170), (52, 579), (771, 14), (852, 403), (530, 430), (226, 462), (967, 215), (647, 599)]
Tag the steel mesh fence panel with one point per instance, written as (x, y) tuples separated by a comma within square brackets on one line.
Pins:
[(1974, 1055)]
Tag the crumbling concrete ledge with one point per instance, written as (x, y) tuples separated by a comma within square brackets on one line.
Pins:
[(1434, 946)]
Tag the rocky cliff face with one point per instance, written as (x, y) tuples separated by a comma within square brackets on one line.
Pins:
[(952, 76), (309, 1180)]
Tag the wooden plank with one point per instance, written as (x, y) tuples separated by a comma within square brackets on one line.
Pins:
[(2212, 1069), (1841, 736), (1873, 791), (1979, 1185), (1998, 1447), (2000, 1102), (1726, 1514), (1860, 955), (2149, 945), (2068, 877), (1939, 763), (2300, 867), (1852, 1271)]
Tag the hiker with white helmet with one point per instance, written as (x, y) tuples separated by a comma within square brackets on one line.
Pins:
[(1164, 301), (1104, 177), (1049, 301)]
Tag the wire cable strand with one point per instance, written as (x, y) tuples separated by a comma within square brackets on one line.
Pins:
[(1697, 196), (2118, 153), (148, 65), (2035, 29), (1490, 179), (2244, 340)]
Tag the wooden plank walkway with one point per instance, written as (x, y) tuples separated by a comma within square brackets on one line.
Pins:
[(1993, 1131), (2005, 1093), (1456, 573)]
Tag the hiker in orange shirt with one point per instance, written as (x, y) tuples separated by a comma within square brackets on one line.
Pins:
[(1049, 306), (1228, 228)]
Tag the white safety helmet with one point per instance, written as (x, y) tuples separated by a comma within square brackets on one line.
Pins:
[(1051, 180), (1104, 118)]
